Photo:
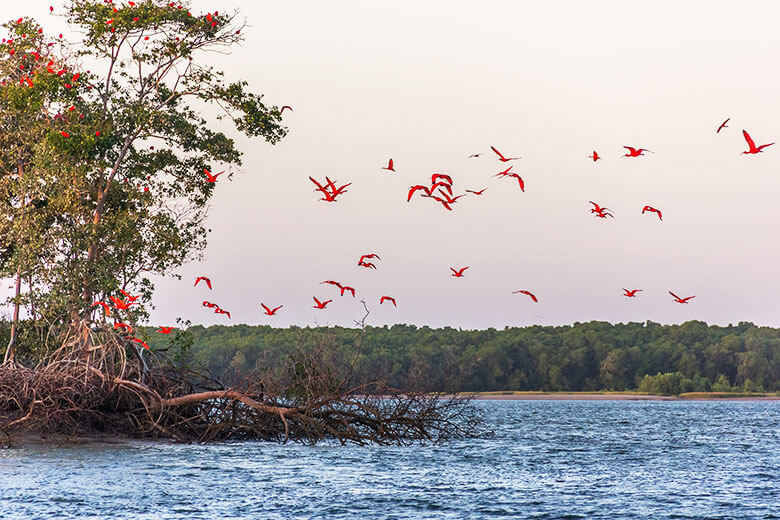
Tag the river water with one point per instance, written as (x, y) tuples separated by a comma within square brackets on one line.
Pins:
[(546, 459)]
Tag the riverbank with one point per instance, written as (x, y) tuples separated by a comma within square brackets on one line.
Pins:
[(621, 396)]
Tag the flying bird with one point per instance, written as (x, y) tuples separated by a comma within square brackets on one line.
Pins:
[(458, 273), (598, 209), (652, 210), (142, 342), (383, 299), (413, 189), (211, 178), (319, 304), (595, 156), (218, 310), (332, 282), (504, 173), (681, 300), (369, 256), (285, 107), (209, 304), (722, 126), (270, 312), (527, 293), (205, 279), (635, 152), (128, 297), (631, 293), (368, 265), (474, 155), (501, 156), (165, 330), (444, 177), (389, 166), (480, 192), (752, 146), (345, 288), (519, 181)]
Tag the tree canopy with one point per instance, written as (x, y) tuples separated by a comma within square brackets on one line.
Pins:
[(104, 148)]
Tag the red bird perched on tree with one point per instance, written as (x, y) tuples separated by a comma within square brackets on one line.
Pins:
[(681, 300), (165, 330), (595, 156), (653, 210), (120, 304), (106, 308), (320, 305), (389, 166), (752, 148), (128, 297), (199, 278), (211, 178), (458, 273), (383, 299), (501, 156), (142, 342), (631, 293), (722, 126), (270, 312), (527, 293), (635, 152), (120, 325)]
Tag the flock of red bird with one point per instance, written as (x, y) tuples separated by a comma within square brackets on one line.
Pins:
[(440, 189)]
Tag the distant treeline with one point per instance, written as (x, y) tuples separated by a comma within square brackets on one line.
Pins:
[(581, 357)]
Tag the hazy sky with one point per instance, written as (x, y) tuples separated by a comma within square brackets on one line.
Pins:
[(428, 83)]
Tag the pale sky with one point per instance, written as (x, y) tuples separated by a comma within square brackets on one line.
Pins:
[(429, 83)]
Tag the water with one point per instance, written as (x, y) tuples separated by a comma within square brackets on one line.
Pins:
[(547, 459)]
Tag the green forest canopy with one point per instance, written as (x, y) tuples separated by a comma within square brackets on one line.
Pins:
[(581, 357)]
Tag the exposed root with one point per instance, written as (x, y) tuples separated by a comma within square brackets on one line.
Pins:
[(90, 385)]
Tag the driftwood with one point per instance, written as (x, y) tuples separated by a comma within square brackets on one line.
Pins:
[(96, 382)]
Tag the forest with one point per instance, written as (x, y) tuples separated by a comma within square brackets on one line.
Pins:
[(589, 356)]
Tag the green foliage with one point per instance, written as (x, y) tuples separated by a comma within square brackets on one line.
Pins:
[(583, 357), (101, 171)]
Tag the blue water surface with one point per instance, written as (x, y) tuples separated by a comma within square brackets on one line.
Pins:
[(546, 459)]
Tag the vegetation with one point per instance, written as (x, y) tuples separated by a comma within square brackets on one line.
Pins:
[(104, 181), (583, 357)]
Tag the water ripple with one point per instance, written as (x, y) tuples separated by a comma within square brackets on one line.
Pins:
[(547, 460)]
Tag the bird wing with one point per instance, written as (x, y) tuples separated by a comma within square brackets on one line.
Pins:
[(677, 297), (497, 152), (264, 307), (749, 140)]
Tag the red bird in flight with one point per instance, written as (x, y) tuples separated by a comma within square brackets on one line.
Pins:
[(631, 293), (128, 297), (681, 300), (635, 152), (106, 308), (345, 288), (165, 330), (414, 189), (207, 280), (722, 126), (383, 299), (480, 192), (270, 312), (218, 310), (319, 304), (211, 178), (527, 293), (501, 156), (120, 325), (285, 107), (209, 304), (752, 146), (653, 210), (121, 305), (369, 256), (595, 156), (389, 166), (459, 272)]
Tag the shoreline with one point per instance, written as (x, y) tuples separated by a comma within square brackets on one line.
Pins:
[(616, 396)]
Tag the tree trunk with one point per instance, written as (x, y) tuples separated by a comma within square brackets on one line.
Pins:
[(11, 350)]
